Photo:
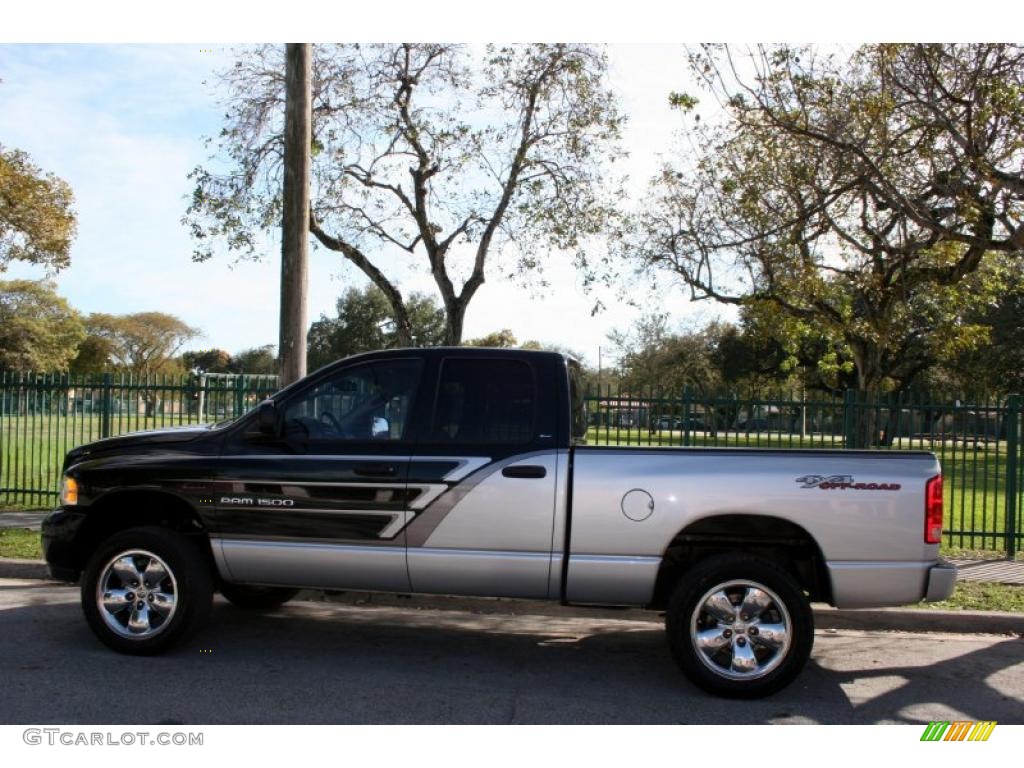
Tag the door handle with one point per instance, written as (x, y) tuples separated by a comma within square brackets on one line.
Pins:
[(375, 470), (525, 471)]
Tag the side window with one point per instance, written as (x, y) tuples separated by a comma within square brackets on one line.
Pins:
[(370, 402), (484, 401)]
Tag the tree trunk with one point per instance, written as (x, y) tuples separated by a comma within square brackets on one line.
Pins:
[(403, 326), (866, 431), (891, 424), (455, 315), (295, 213)]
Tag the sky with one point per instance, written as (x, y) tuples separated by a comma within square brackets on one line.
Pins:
[(124, 124)]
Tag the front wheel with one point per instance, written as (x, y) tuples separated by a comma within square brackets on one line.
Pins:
[(145, 590), (739, 626)]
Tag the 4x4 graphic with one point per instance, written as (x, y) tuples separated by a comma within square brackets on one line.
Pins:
[(843, 482)]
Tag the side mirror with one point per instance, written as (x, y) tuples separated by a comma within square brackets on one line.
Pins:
[(381, 429), (266, 417)]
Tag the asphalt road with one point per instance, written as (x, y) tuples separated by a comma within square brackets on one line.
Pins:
[(333, 663)]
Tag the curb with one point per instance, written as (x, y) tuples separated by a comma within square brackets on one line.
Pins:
[(920, 620), (825, 617), (23, 569)]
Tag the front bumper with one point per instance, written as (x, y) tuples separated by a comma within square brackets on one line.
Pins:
[(59, 535), (941, 582)]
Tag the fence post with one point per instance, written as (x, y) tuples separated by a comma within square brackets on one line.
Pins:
[(1012, 451), (201, 404), (686, 416), (240, 395), (849, 418), (108, 404)]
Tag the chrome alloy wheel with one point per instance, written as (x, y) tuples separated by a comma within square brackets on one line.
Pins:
[(137, 594), (741, 630)]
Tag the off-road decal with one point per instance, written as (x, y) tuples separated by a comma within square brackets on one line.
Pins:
[(842, 483)]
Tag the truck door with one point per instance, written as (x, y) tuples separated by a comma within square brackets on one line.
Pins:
[(488, 453), (325, 503)]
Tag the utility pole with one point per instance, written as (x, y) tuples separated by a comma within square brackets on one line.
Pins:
[(298, 119)]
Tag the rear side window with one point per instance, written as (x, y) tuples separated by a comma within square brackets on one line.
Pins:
[(488, 401), (578, 403)]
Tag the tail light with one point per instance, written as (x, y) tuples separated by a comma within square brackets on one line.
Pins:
[(933, 511)]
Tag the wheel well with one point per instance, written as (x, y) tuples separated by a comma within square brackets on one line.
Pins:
[(772, 538), (131, 509)]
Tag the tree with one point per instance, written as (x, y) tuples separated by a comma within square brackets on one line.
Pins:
[(95, 355), (423, 152), (652, 357), (503, 339), (37, 222), (257, 360), (853, 195), (365, 322), (208, 361), (142, 344), (995, 366), (39, 331), (750, 355)]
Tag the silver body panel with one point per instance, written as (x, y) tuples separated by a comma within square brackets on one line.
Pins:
[(499, 534), (314, 565), (872, 540), (480, 572), (611, 579), (482, 533)]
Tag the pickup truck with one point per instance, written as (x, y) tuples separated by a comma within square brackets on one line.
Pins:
[(466, 472)]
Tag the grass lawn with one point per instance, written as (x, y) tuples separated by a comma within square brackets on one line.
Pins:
[(982, 596), (20, 543), (32, 449)]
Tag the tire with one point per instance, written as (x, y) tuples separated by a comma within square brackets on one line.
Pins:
[(155, 568), (256, 598), (721, 651)]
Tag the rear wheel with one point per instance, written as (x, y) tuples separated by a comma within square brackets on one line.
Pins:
[(256, 598), (740, 626), (145, 590)]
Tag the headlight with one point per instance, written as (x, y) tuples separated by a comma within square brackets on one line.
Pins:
[(69, 492)]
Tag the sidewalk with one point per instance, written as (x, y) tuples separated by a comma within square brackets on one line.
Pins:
[(1001, 571), (23, 519)]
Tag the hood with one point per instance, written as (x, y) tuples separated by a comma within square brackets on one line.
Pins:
[(142, 439)]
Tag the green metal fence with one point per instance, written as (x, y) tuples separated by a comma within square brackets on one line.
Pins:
[(978, 444), (44, 416)]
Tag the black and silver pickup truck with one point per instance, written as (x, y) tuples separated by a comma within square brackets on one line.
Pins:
[(465, 472)]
